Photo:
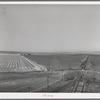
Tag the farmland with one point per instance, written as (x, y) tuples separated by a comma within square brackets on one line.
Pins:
[(64, 61), (19, 82), (57, 62), (70, 64), (49, 73), (18, 74), (17, 63)]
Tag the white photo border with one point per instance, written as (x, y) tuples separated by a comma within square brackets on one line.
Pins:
[(50, 95)]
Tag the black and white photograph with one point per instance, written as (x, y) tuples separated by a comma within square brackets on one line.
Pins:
[(49, 48)]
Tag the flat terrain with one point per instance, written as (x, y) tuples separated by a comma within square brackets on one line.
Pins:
[(25, 82), (57, 62), (90, 77), (19, 74), (18, 63), (65, 61), (28, 73)]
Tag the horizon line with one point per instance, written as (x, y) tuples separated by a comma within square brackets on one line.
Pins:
[(50, 52)]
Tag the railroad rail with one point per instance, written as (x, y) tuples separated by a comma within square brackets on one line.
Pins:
[(80, 83)]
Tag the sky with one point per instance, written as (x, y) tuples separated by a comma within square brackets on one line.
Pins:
[(50, 28)]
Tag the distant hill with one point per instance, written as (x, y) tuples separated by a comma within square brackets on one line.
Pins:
[(12, 52), (50, 53)]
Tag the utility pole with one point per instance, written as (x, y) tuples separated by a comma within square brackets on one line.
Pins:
[(51, 64), (29, 89), (62, 70), (48, 83)]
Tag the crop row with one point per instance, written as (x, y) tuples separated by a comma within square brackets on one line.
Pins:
[(17, 63)]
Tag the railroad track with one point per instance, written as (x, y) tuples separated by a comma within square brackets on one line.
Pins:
[(80, 84)]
